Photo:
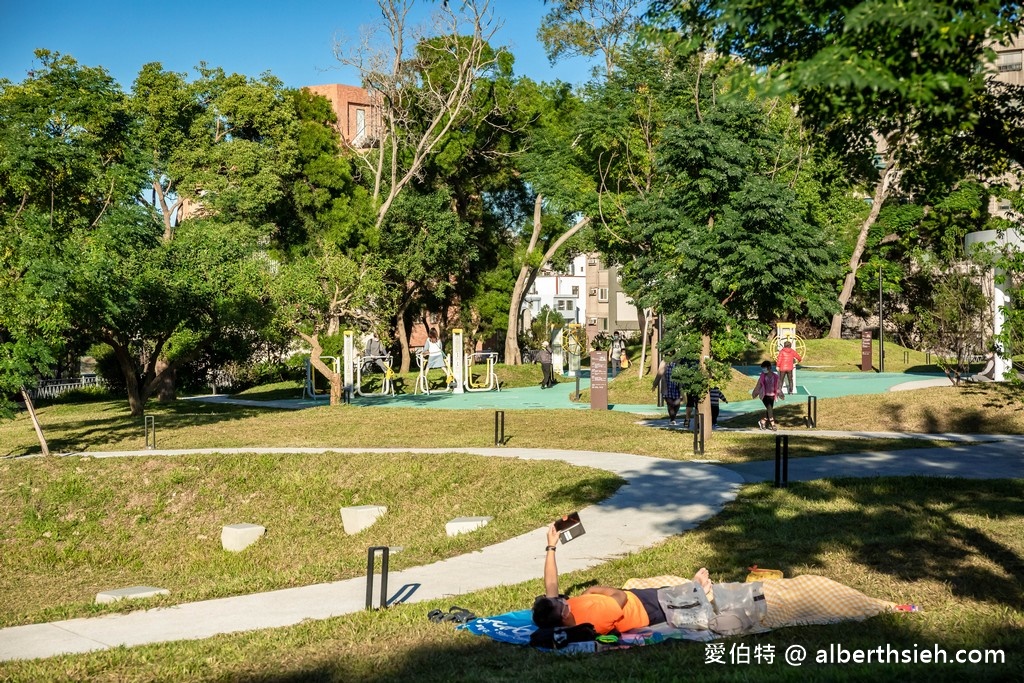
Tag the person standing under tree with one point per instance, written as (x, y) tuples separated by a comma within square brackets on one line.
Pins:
[(787, 360), (715, 395), (669, 390), (766, 389)]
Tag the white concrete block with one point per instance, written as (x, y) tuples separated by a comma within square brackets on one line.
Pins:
[(463, 525), (358, 517), (129, 593), (238, 537)]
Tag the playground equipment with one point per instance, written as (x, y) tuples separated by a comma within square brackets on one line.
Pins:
[(309, 390), (786, 332)]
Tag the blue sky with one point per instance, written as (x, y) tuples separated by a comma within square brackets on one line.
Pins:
[(293, 40)]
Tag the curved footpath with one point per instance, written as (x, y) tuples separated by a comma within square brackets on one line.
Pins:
[(663, 498)]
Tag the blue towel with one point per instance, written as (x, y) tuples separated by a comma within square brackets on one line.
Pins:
[(511, 627)]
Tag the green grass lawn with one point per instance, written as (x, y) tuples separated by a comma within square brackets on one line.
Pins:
[(106, 425), (954, 548), (71, 527)]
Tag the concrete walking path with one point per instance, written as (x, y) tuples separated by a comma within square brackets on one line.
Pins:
[(663, 498)]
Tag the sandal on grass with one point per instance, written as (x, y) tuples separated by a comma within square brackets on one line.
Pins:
[(459, 615)]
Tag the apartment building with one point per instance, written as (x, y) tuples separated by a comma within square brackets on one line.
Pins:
[(358, 117)]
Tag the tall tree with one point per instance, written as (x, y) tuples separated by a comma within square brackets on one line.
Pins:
[(158, 304), (573, 28), (732, 241), (323, 291), (902, 84), (422, 87), (66, 159)]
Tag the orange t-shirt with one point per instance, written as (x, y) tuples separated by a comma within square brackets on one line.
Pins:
[(605, 614)]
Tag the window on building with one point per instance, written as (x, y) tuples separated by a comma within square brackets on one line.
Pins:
[(1009, 61), (602, 294), (360, 123), (575, 291), (565, 305)]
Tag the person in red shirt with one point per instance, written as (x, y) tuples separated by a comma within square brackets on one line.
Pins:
[(787, 360)]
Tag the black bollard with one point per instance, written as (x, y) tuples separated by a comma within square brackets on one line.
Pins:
[(371, 555), (781, 461), (812, 412), (149, 422), (499, 427)]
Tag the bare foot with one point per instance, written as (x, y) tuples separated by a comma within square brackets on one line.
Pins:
[(703, 579)]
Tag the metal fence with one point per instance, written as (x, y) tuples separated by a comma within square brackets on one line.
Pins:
[(52, 388)]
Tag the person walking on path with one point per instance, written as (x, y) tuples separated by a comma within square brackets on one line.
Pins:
[(617, 349), (787, 360), (669, 390), (715, 395), (766, 389), (544, 356)]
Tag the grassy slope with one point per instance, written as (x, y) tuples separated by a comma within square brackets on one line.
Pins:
[(71, 527), (952, 547)]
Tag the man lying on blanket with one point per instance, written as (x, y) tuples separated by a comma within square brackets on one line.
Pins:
[(725, 608)]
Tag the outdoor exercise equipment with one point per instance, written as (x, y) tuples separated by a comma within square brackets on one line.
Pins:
[(997, 288), (309, 388), (786, 332), (490, 381), (463, 368), (350, 351), (387, 382), (575, 342), (422, 382)]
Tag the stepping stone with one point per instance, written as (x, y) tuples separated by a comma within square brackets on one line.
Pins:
[(358, 517), (129, 593), (238, 537), (463, 525)]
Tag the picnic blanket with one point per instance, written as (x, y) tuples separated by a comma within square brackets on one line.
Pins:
[(809, 600), (800, 601)]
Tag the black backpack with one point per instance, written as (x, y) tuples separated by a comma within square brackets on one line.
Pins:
[(560, 636)]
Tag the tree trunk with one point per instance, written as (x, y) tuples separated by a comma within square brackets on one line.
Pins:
[(335, 378), (655, 340), (512, 355), (35, 421), (403, 340), (165, 381), (881, 194), (645, 325), (136, 398), (705, 402)]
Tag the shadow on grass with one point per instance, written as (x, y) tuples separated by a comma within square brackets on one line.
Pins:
[(463, 657), (923, 538), (120, 426)]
